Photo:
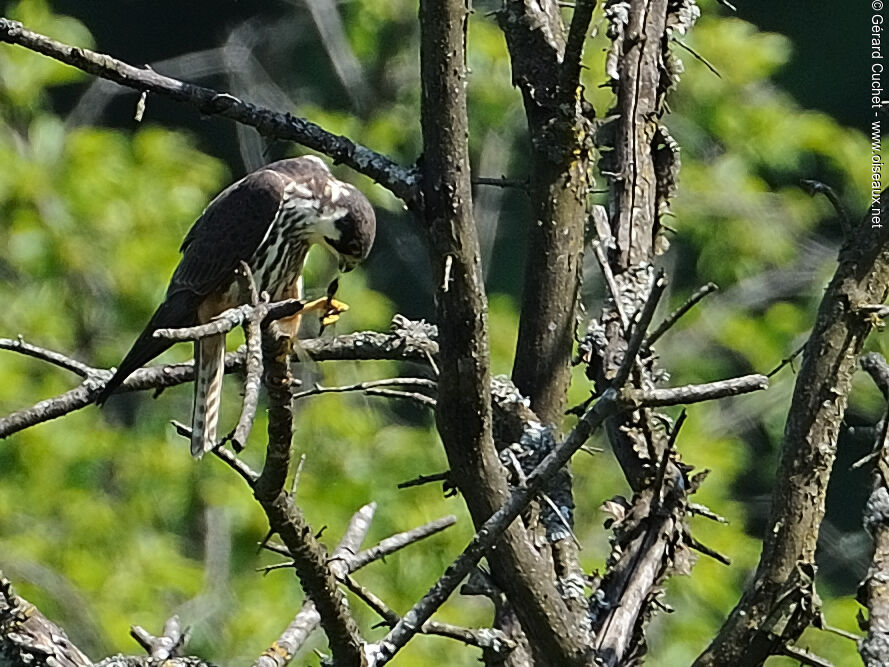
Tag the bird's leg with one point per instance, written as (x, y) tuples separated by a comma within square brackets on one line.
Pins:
[(290, 325), (329, 308)]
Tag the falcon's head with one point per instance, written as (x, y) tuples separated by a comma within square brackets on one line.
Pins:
[(343, 220), (351, 234)]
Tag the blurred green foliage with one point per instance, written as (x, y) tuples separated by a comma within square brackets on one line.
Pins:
[(105, 521)]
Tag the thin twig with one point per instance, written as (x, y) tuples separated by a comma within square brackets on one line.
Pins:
[(426, 479), (404, 343), (706, 512), (364, 386), (168, 645), (697, 393), (701, 58), (520, 475), (637, 337), (814, 187), (502, 182), (245, 471), (414, 396), (787, 360), (569, 77), (693, 543), (605, 265), (253, 335), (804, 657), (294, 485), (839, 632), (674, 317), (658, 487), (487, 638), (56, 358)]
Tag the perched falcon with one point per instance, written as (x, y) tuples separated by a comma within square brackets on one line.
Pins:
[(269, 219)]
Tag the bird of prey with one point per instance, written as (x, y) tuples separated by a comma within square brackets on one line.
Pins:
[(268, 219)]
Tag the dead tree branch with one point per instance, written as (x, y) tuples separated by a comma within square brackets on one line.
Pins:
[(488, 534), (402, 182), (282, 651), (873, 592), (640, 161), (409, 341), (779, 603), (296, 634), (559, 164), (28, 638), (310, 558), (464, 413)]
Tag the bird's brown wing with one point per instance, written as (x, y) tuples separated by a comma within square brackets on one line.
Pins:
[(229, 231)]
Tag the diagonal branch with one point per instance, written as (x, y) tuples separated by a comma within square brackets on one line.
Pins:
[(55, 358), (286, 519), (344, 560), (295, 635), (569, 77), (403, 182), (489, 533), (780, 601)]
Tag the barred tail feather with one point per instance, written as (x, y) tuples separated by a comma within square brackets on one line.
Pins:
[(209, 359)]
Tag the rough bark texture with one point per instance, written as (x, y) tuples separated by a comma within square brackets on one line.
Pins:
[(639, 49), (874, 590), (27, 637), (780, 602), (286, 519), (650, 535), (559, 167)]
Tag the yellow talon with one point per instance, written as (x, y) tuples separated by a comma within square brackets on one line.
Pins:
[(330, 308)]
